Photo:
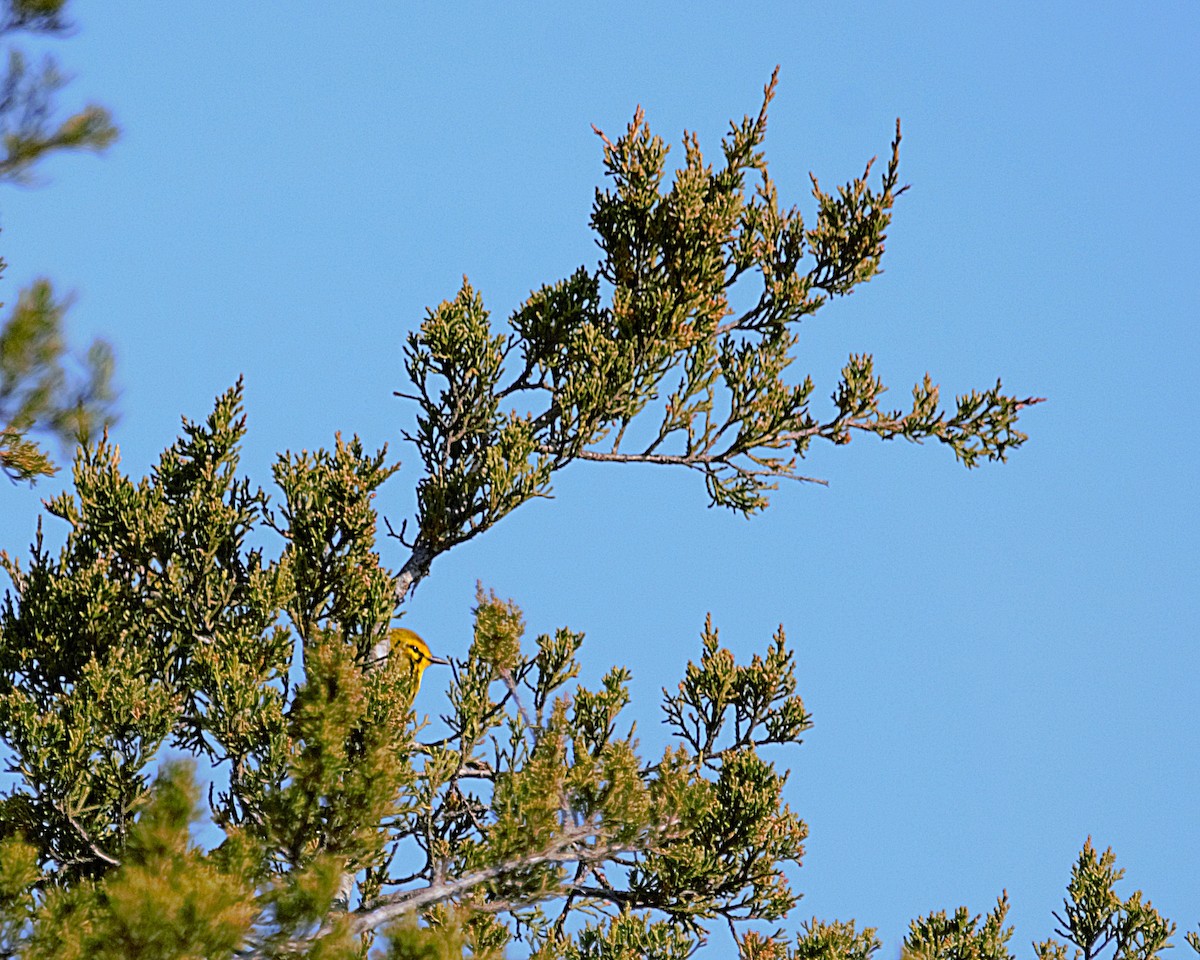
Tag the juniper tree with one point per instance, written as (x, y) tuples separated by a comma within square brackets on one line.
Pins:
[(191, 613), (44, 389)]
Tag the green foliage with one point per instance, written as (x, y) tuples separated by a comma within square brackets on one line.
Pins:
[(1094, 917), (28, 130), (628, 937), (408, 941), (190, 614), (158, 626), (41, 15), (168, 900), (817, 940), (155, 624), (18, 874), (835, 941), (329, 524), (42, 389), (651, 336), (961, 936)]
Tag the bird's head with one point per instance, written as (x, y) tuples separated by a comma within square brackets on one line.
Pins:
[(415, 650)]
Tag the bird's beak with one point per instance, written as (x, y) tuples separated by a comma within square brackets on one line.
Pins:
[(441, 660)]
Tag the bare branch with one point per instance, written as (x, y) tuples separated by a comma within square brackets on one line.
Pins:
[(83, 835), (693, 461), (564, 849)]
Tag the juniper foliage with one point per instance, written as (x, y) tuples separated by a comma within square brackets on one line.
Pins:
[(196, 626), (649, 340), (44, 388), (159, 630)]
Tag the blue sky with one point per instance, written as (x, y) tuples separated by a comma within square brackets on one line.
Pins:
[(1000, 662)]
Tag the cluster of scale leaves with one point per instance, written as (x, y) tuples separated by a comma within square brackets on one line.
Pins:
[(647, 855), (44, 390), (1096, 921), (644, 358), (162, 628)]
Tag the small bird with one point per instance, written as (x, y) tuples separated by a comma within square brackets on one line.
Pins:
[(415, 649)]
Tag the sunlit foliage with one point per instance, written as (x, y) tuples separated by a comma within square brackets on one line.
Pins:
[(195, 627)]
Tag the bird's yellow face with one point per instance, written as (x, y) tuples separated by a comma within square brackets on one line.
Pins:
[(414, 649)]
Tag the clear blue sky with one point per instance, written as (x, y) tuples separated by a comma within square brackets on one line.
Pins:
[(999, 662)]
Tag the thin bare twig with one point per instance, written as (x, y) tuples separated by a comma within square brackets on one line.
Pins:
[(83, 835), (564, 849), (695, 462)]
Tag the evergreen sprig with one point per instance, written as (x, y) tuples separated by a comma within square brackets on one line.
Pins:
[(650, 335), (43, 388)]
